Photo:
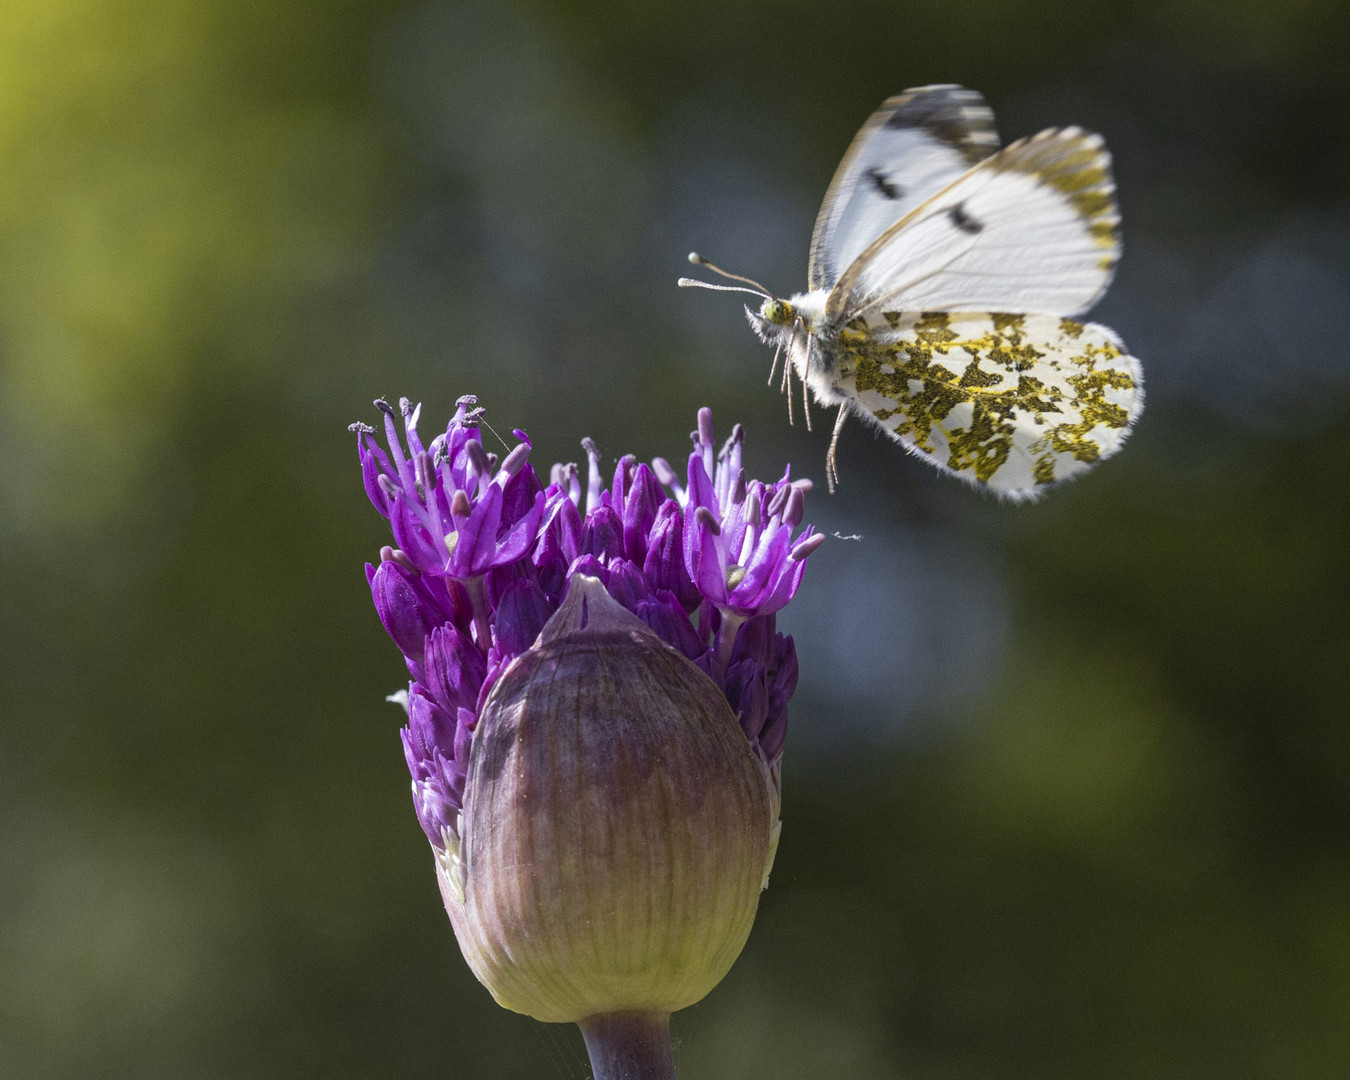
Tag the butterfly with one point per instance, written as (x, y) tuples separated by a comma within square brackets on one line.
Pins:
[(945, 280)]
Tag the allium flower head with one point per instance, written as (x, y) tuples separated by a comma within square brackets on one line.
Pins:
[(596, 707)]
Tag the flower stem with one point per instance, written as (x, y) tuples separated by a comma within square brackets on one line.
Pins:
[(629, 1045)]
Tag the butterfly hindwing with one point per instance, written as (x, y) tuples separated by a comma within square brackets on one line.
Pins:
[(1010, 402), (1032, 228), (912, 147)]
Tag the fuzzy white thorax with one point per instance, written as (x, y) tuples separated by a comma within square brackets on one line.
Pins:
[(807, 340)]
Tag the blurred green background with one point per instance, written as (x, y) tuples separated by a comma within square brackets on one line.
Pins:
[(1067, 786)]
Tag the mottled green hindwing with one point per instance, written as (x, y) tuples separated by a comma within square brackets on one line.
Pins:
[(1010, 402)]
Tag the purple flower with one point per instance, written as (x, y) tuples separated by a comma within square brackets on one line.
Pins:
[(453, 513), (485, 553), (740, 551), (596, 711)]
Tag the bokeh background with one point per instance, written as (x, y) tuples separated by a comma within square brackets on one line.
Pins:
[(1067, 786)]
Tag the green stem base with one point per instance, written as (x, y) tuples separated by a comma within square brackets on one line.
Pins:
[(629, 1046)]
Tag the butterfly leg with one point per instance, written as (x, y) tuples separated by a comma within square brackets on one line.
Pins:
[(806, 402), (786, 386), (831, 458), (777, 353)]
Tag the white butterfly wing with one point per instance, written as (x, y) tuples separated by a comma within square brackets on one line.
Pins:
[(1032, 228), (1013, 403), (912, 147)]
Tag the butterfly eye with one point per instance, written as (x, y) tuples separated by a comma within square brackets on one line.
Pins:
[(778, 312)]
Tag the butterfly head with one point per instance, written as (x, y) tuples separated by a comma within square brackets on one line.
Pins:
[(776, 322), (778, 312)]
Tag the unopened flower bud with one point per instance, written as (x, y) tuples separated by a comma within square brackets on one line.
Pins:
[(617, 827)]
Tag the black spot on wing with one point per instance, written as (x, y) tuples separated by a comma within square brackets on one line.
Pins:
[(964, 221), (951, 114), (888, 188)]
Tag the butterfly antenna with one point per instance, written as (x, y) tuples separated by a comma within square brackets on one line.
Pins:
[(694, 283), (699, 260)]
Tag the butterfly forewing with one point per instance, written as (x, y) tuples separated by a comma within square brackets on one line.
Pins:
[(1032, 228), (915, 145), (1012, 402)]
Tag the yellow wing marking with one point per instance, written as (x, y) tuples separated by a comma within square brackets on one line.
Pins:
[(997, 388)]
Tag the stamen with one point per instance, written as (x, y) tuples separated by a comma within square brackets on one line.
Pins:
[(425, 475), (572, 478), (752, 509), (705, 427), (664, 473), (392, 439), (804, 547), (705, 441), (708, 519), (431, 516), (623, 476), (459, 505), (478, 461), (565, 476), (592, 473), (515, 460), (395, 555)]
